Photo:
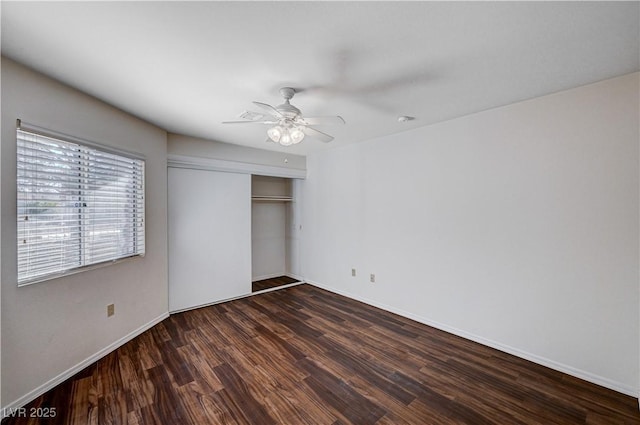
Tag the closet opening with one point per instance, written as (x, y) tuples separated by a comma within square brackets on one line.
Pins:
[(274, 232)]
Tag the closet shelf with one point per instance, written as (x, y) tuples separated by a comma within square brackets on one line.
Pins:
[(276, 198)]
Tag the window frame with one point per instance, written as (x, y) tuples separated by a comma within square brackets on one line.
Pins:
[(101, 148)]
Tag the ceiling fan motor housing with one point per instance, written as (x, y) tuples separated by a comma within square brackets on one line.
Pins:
[(287, 92), (287, 109)]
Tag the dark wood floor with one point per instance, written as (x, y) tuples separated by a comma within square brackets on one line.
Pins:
[(274, 282), (306, 356)]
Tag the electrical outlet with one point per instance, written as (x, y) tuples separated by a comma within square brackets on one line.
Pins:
[(111, 310), (353, 272), (372, 278)]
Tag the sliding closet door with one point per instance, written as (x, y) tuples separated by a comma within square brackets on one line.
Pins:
[(209, 236)]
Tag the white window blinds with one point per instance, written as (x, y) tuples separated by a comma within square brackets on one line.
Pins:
[(77, 206)]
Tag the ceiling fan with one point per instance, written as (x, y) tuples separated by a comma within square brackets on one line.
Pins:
[(289, 127)]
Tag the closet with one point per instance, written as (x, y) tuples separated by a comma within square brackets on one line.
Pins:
[(209, 233), (227, 231), (274, 229)]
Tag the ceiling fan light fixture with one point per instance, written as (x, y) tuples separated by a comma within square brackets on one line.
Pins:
[(275, 133), (285, 140), (286, 136), (296, 135)]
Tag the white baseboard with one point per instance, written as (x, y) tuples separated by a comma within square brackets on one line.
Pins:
[(37, 392), (578, 373)]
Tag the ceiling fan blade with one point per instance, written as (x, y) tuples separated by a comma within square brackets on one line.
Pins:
[(323, 120), (312, 132), (271, 109), (249, 122), (257, 116)]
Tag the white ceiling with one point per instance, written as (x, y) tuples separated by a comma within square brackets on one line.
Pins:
[(188, 66)]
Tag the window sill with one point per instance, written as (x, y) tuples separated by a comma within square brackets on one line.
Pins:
[(70, 272)]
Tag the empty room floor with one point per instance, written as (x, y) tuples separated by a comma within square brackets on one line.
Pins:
[(303, 355)]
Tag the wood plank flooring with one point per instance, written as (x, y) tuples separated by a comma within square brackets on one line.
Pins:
[(306, 356), (274, 282)]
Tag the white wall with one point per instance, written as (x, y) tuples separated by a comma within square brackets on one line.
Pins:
[(516, 227), (268, 253), (49, 328)]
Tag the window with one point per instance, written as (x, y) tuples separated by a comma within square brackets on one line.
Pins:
[(77, 206)]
